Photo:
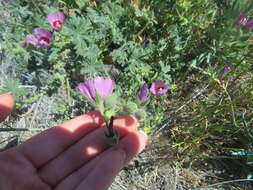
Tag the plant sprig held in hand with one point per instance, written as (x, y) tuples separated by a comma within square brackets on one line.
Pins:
[(101, 92), (98, 90)]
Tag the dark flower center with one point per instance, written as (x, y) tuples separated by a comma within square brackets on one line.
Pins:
[(57, 24), (158, 89), (44, 40)]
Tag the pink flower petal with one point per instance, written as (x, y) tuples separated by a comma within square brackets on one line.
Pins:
[(87, 89), (56, 20), (159, 88), (103, 86), (143, 96)]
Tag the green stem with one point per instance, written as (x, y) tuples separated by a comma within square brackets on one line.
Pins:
[(68, 91), (232, 106), (101, 107), (27, 101)]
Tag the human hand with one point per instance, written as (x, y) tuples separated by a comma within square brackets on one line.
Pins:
[(72, 156)]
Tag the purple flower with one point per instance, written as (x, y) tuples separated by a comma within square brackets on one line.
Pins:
[(100, 85), (159, 88), (249, 24), (41, 38), (56, 20), (87, 88), (103, 86), (144, 93), (242, 19), (225, 69)]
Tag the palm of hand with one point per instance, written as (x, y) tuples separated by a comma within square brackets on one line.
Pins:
[(74, 155)]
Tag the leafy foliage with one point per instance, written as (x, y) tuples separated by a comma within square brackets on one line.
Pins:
[(13, 86)]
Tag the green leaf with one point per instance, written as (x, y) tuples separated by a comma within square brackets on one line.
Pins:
[(108, 114), (131, 107), (13, 86), (140, 114), (81, 3), (218, 128), (111, 100)]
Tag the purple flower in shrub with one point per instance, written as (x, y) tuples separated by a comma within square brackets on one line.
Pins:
[(242, 19), (143, 96), (249, 24), (56, 20), (159, 88), (41, 38), (100, 85), (225, 69)]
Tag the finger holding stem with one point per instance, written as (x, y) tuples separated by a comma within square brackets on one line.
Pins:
[(112, 135)]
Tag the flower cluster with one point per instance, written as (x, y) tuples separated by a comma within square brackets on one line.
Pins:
[(99, 89), (105, 86), (245, 21), (42, 38), (101, 92), (157, 88)]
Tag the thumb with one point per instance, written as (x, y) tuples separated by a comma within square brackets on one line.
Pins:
[(6, 105)]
